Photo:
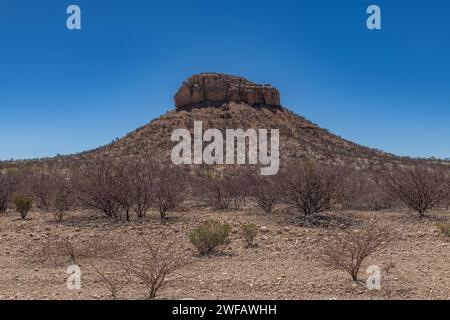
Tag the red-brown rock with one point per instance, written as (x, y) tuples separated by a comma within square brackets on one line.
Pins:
[(220, 88)]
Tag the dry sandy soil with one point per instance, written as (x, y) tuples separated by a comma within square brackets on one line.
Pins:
[(282, 266)]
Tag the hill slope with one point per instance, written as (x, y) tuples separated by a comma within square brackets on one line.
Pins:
[(229, 102), (299, 138)]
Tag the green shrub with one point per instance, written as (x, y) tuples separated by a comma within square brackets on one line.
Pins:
[(444, 228), (208, 236), (23, 205), (249, 232)]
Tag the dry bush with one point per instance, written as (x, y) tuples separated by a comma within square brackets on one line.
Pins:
[(63, 197), (222, 192), (209, 235), (266, 192), (42, 184), (419, 188), (348, 251), (22, 204), (97, 188), (8, 185), (237, 184), (235, 187), (124, 196), (362, 191), (110, 270), (135, 187), (112, 275), (120, 188), (311, 188), (249, 233), (157, 263), (219, 195), (65, 251), (170, 188), (143, 188)]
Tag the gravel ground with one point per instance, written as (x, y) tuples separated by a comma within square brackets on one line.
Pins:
[(281, 266)]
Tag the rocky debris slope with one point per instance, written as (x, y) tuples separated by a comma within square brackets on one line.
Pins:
[(215, 88)]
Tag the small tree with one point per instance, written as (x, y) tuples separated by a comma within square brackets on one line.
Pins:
[(209, 235), (23, 204), (312, 189), (349, 250), (419, 188)]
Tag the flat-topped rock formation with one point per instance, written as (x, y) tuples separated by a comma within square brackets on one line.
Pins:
[(208, 89)]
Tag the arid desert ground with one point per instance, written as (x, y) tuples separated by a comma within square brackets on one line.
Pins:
[(282, 264)]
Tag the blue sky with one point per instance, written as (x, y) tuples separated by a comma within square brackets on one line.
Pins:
[(67, 91)]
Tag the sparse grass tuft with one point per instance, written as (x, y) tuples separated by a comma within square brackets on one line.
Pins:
[(249, 232), (444, 228)]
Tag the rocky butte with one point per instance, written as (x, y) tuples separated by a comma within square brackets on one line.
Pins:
[(214, 89)]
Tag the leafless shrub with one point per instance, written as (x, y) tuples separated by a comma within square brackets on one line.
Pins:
[(42, 186), (312, 189), (124, 194), (217, 191), (120, 188), (362, 191), (8, 185), (169, 190), (225, 191), (237, 187), (135, 187), (157, 263), (266, 192), (419, 188), (112, 275), (63, 197), (71, 250), (97, 188), (63, 251), (143, 189), (348, 251)]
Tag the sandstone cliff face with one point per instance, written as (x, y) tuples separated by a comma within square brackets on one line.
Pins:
[(221, 88)]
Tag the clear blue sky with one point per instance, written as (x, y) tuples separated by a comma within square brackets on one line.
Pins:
[(67, 91)]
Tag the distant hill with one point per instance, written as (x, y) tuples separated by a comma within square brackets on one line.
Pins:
[(229, 102)]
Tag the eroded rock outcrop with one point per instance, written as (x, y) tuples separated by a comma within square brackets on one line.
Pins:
[(217, 88)]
